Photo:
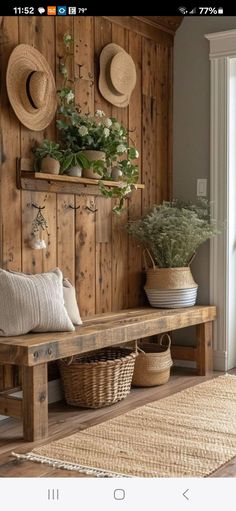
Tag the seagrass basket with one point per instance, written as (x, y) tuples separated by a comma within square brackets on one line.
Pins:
[(153, 363), (98, 379), (169, 287)]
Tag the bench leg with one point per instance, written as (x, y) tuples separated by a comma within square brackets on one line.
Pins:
[(35, 402), (204, 348)]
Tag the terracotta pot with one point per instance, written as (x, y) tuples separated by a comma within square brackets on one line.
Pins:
[(92, 155), (50, 165)]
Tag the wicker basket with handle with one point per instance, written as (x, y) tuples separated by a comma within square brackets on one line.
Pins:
[(98, 379), (152, 366)]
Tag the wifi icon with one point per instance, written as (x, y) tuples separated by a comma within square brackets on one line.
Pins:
[(183, 10)]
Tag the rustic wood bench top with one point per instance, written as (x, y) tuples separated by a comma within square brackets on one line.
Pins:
[(98, 332), (33, 352)]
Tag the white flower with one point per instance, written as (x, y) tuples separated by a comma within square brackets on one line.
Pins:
[(136, 153), (106, 132), (70, 96), (99, 113), (83, 131), (121, 148), (120, 173), (108, 122)]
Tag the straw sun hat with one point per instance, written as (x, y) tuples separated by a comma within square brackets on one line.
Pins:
[(31, 87), (117, 75)]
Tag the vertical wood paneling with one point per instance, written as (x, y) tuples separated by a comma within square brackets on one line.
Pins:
[(65, 235), (119, 235), (65, 215), (50, 213), (103, 255), (85, 256), (162, 122), (40, 33), (91, 249), (102, 36), (32, 260), (63, 26), (170, 122), (135, 201), (1, 195), (149, 163), (84, 62), (85, 219), (10, 197)]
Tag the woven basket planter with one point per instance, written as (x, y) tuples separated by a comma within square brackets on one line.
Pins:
[(170, 287), (153, 363), (98, 379)]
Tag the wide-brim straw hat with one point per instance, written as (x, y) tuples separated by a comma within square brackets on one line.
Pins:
[(31, 87), (117, 75)]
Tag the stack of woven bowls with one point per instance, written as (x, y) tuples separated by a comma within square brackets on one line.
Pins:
[(170, 287)]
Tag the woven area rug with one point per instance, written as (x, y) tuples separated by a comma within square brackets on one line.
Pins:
[(191, 433)]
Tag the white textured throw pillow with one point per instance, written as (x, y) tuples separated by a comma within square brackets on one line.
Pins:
[(32, 303), (70, 302)]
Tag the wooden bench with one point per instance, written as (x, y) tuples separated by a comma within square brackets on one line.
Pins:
[(32, 352)]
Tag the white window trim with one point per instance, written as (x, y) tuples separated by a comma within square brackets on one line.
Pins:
[(222, 49)]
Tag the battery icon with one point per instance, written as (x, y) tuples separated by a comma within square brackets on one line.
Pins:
[(220, 10)]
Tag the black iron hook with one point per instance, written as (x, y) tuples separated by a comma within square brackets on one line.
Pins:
[(37, 207), (73, 207), (92, 207)]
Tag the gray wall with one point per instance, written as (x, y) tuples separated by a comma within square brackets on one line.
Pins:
[(192, 119), (191, 128)]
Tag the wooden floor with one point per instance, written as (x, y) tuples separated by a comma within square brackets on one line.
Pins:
[(64, 420)]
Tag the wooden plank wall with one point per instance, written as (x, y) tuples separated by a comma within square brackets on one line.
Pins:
[(93, 250)]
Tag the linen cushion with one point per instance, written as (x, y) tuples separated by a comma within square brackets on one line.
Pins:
[(70, 302), (32, 303), (69, 297)]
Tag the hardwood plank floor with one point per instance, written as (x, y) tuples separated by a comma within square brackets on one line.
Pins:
[(65, 420)]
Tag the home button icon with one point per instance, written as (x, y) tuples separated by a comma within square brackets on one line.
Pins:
[(119, 494)]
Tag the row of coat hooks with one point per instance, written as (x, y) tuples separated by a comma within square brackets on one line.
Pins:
[(40, 226), (92, 207)]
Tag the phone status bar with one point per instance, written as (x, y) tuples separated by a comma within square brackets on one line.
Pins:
[(79, 10)]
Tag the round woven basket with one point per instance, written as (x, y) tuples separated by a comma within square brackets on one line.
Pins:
[(98, 379), (153, 363), (169, 287)]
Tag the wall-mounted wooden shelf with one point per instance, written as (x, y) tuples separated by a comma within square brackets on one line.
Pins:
[(38, 181)]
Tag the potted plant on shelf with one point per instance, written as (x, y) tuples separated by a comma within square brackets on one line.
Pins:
[(103, 145), (72, 163), (48, 156), (102, 141), (171, 233)]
